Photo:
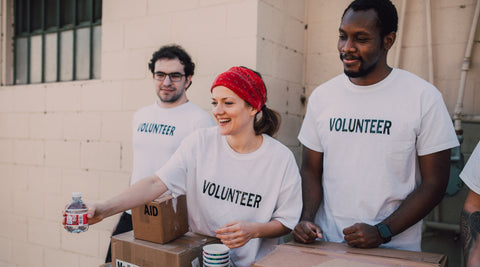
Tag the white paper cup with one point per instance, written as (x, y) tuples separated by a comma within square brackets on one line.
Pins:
[(216, 250)]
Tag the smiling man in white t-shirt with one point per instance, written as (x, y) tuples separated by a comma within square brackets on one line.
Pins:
[(368, 135)]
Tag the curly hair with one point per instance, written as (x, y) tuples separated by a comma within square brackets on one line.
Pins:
[(172, 52)]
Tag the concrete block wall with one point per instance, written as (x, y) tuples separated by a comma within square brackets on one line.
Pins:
[(56, 138), (280, 59)]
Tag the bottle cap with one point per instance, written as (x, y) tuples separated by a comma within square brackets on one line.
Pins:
[(76, 194)]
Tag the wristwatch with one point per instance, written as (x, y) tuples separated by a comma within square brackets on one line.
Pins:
[(384, 231)]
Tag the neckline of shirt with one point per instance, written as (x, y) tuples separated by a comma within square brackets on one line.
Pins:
[(172, 108), (373, 87), (250, 155)]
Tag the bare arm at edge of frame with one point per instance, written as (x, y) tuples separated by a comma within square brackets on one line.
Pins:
[(470, 229)]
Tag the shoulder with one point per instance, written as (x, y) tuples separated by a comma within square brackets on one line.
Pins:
[(196, 111), (410, 86), (277, 148), (327, 86), (189, 104), (203, 135), (193, 107), (413, 81), (145, 110)]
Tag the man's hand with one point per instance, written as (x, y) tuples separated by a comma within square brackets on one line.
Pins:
[(362, 235), (306, 232)]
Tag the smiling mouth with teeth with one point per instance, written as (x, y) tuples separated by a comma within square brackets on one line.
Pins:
[(223, 120)]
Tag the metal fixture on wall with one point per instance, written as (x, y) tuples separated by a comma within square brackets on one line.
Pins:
[(458, 113), (457, 159)]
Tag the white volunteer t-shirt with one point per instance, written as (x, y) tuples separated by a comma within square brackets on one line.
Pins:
[(157, 133), (471, 172), (371, 137), (224, 186)]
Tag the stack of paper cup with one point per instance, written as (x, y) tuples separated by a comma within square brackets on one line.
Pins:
[(216, 255)]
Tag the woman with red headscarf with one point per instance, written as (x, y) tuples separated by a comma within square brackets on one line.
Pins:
[(242, 185)]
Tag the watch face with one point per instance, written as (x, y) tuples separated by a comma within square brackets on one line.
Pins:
[(384, 232)]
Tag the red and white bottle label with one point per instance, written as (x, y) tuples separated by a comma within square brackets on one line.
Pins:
[(77, 219)]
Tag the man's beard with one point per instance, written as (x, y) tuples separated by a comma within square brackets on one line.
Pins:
[(169, 99), (362, 72)]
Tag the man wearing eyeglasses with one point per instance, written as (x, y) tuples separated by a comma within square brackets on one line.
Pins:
[(159, 128)]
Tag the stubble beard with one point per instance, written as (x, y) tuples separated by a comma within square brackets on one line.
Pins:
[(170, 99), (361, 72)]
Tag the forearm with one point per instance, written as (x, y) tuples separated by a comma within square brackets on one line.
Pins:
[(271, 229), (312, 187), (312, 195), (139, 193), (414, 208)]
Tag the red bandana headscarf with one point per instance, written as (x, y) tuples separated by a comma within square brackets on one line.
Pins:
[(245, 83)]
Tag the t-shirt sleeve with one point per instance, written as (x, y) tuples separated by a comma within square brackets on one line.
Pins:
[(470, 174), (308, 135), (437, 132), (289, 202), (174, 172)]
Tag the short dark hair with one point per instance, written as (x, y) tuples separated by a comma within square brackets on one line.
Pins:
[(387, 17), (172, 52)]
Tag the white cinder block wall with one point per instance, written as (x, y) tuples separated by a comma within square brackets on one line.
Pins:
[(57, 138), (280, 59)]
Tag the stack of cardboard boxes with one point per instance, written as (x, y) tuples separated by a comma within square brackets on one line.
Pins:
[(160, 237)]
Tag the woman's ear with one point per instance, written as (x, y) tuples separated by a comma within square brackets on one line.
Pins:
[(253, 111)]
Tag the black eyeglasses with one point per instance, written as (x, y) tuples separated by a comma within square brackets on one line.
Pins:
[(174, 76)]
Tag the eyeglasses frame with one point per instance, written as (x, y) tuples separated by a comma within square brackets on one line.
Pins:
[(169, 76)]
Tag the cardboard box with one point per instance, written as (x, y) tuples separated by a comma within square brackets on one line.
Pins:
[(162, 220), (185, 251), (321, 254)]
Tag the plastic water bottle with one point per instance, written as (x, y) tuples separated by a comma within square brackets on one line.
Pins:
[(76, 215)]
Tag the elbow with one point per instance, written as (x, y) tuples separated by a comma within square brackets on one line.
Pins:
[(435, 189), (157, 186)]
